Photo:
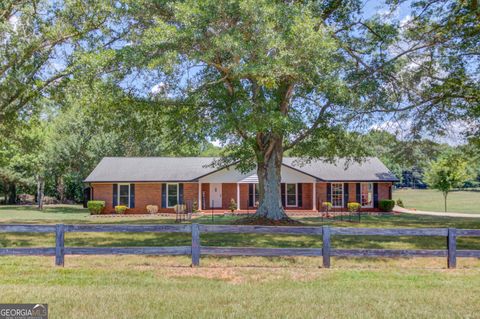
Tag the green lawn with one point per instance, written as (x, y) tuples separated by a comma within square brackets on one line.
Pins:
[(239, 287), (432, 200), (78, 215), (50, 212), (162, 287)]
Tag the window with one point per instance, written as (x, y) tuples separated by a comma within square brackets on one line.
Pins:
[(337, 195), (253, 194), (124, 194), (367, 194), (172, 195), (291, 195)]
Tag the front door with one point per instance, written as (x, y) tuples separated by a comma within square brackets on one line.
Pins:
[(216, 195)]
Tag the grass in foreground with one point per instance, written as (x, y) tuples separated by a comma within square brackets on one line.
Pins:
[(163, 287), (432, 200)]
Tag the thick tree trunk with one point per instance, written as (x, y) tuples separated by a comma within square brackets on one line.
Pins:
[(12, 194), (445, 200), (5, 192), (40, 192), (269, 178), (61, 189)]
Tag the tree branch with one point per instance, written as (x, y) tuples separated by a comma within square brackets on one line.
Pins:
[(312, 128)]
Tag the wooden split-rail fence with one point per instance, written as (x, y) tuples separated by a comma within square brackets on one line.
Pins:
[(196, 249)]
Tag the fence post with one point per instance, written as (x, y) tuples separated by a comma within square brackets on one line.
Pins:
[(452, 248), (213, 205), (59, 244), (195, 245), (326, 246)]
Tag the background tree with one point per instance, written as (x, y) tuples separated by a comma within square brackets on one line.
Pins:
[(449, 171), (39, 39)]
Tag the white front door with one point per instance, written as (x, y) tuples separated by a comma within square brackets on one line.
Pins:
[(216, 195)]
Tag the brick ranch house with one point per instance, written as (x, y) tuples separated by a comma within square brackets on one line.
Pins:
[(166, 181)]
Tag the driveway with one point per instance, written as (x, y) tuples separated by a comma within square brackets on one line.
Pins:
[(399, 209)]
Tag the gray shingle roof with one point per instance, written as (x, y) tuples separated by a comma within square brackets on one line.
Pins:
[(183, 169), (150, 169), (371, 169)]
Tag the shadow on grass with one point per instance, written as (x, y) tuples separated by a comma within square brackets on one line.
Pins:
[(255, 240)]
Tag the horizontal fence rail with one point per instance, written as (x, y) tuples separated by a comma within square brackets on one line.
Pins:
[(195, 250)]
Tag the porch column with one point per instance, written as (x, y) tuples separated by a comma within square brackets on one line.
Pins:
[(199, 196), (314, 196), (238, 196)]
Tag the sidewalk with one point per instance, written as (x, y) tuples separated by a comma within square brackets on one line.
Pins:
[(420, 212)]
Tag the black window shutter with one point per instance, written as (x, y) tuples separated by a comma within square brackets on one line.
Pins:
[(358, 193), (86, 196), (345, 194), (115, 195), (180, 193), (329, 192), (282, 188), (250, 195), (390, 191), (164, 195), (375, 195), (299, 194), (132, 195)]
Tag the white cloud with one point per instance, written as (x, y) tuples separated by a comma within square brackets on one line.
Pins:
[(159, 88), (216, 143), (387, 15), (14, 21), (405, 21)]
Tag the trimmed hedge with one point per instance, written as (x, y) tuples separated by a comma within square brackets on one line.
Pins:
[(96, 206), (353, 207), (120, 209), (386, 205)]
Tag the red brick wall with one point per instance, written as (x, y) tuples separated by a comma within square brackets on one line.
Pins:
[(384, 190), (151, 194), (103, 192), (190, 192), (229, 191), (307, 202), (147, 194), (321, 194)]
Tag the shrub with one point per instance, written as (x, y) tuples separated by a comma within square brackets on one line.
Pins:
[(353, 207), (152, 209), (195, 206), (386, 205), (96, 206), (180, 208), (233, 205), (400, 203), (327, 206), (120, 209)]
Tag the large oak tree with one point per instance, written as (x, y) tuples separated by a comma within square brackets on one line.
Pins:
[(265, 77)]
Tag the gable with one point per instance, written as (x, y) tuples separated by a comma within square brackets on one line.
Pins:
[(231, 175)]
